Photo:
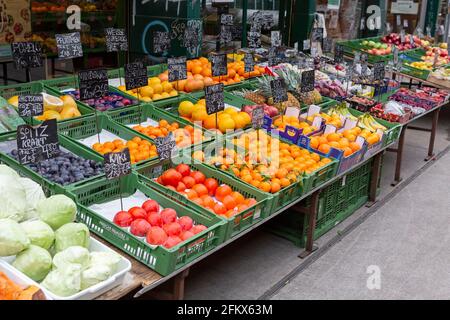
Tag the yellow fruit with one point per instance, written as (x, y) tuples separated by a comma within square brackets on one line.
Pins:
[(69, 102), (223, 116), (122, 88), (146, 91), (52, 103), (156, 96), (239, 121), (226, 124), (154, 80), (14, 101), (199, 115), (165, 95), (231, 111), (210, 122), (246, 116), (185, 108), (51, 114), (157, 88), (68, 113), (167, 87), (173, 93), (146, 99)]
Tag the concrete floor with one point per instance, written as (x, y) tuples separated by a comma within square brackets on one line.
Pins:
[(406, 237)]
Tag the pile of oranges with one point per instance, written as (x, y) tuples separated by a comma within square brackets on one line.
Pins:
[(344, 141), (183, 136), (281, 122), (139, 149), (229, 119), (157, 88)]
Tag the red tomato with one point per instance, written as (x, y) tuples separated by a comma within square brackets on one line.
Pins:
[(168, 216), (198, 176), (123, 219), (172, 229), (211, 184), (171, 177), (184, 169), (150, 206), (189, 182), (155, 219), (140, 227), (186, 223), (198, 228), (156, 236), (172, 242), (220, 209), (138, 213), (186, 235)]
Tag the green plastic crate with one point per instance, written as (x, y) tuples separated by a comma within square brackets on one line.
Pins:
[(152, 71), (144, 112), (8, 143), (91, 126), (162, 260), (235, 224), (35, 88)]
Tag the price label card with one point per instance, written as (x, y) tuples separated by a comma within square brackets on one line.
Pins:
[(39, 143), (272, 57), (191, 34), (405, 23), (165, 146), (357, 57), (279, 92), (226, 34), (117, 164), (177, 68), (327, 45), (378, 70), (428, 30), (31, 105), (388, 28), (258, 117), (308, 78), (161, 41), (69, 45), (338, 53), (116, 40), (317, 35), (402, 36), (306, 45), (254, 39), (226, 19), (219, 64), (275, 38), (249, 62), (135, 75), (93, 83), (214, 98), (411, 41), (399, 20), (27, 54)]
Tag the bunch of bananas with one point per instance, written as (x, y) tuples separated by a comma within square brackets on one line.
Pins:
[(366, 121), (341, 110)]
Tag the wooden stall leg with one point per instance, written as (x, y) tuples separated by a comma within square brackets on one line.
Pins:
[(398, 162), (178, 285), (434, 126), (310, 248), (374, 178)]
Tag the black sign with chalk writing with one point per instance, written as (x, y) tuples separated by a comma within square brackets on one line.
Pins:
[(191, 34), (338, 53), (93, 83), (214, 98), (279, 92), (226, 34), (117, 164), (327, 45), (272, 57), (116, 40), (27, 54), (308, 78), (249, 62), (219, 64), (135, 75), (378, 70), (39, 143), (254, 39), (177, 68), (161, 41), (165, 146), (258, 117), (31, 105), (275, 38), (69, 45), (317, 35)]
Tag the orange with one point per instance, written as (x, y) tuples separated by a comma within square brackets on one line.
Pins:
[(354, 146), (315, 157), (324, 148), (314, 142), (191, 194), (208, 201), (223, 191), (333, 137), (373, 138), (275, 187), (322, 140), (239, 198), (347, 151), (220, 209), (265, 186), (285, 182), (335, 144), (229, 202), (247, 178), (281, 173)]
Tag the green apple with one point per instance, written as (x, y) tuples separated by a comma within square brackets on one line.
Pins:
[(371, 43), (377, 45), (365, 43)]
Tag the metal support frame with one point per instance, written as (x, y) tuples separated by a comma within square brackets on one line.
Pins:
[(374, 179), (312, 214)]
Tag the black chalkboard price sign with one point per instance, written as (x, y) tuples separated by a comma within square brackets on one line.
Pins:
[(275, 38), (279, 92), (135, 75), (31, 105), (165, 146), (327, 45), (37, 143), (254, 39), (307, 83), (116, 40), (214, 98), (219, 64), (378, 70), (272, 57), (258, 117), (338, 53), (177, 68), (27, 54), (317, 35), (161, 41), (249, 62), (69, 45), (117, 164), (191, 34), (93, 83)]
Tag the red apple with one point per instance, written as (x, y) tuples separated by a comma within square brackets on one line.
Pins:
[(156, 236), (138, 213), (139, 227), (168, 216), (154, 219), (186, 223), (150, 206), (172, 242), (172, 229), (123, 219)]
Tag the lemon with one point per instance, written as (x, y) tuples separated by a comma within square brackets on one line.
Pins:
[(154, 80), (146, 91), (69, 102), (239, 121), (246, 116), (122, 88), (52, 103), (226, 123), (199, 115), (231, 111), (14, 101), (185, 108), (157, 88), (173, 93)]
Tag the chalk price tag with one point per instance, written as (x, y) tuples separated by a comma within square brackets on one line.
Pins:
[(191, 34), (31, 105), (117, 164), (327, 45), (378, 70), (69, 45), (226, 34), (27, 54), (402, 36), (308, 78), (254, 39), (258, 117), (37, 143), (272, 57), (338, 53), (93, 83), (116, 40), (219, 64), (279, 92), (214, 98), (177, 68), (226, 19), (249, 62), (161, 41), (317, 35), (135, 75), (165, 146), (275, 38)]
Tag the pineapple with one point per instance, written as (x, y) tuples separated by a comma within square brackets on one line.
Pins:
[(255, 97), (266, 91)]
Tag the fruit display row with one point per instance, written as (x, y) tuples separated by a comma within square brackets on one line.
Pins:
[(108, 102), (425, 98)]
